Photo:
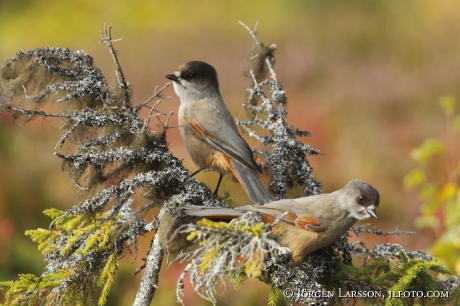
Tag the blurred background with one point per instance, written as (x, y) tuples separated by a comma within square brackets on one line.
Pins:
[(365, 77)]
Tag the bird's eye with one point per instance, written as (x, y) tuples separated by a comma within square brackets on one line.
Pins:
[(190, 75), (360, 200)]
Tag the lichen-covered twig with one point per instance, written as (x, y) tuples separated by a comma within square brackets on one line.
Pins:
[(226, 250), (111, 154), (284, 153), (150, 278)]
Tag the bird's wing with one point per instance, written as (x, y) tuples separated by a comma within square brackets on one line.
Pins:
[(226, 140), (305, 209), (300, 212), (309, 223)]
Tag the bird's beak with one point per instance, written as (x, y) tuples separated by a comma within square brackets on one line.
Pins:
[(371, 211), (173, 77)]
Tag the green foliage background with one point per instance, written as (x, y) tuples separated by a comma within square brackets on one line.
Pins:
[(363, 76), (441, 198)]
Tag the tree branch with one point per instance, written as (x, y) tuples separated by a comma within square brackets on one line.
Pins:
[(149, 282)]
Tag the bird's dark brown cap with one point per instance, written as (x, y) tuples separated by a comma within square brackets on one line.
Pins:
[(195, 71), (367, 195)]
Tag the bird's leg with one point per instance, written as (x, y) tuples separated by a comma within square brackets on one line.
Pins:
[(196, 172), (218, 184)]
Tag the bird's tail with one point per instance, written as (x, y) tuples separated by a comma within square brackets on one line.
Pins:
[(254, 188), (212, 212)]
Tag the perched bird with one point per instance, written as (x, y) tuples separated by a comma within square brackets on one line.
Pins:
[(311, 222), (209, 131)]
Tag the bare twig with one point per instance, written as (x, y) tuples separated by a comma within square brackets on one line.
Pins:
[(252, 32), (166, 124), (156, 94), (107, 39), (147, 121)]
